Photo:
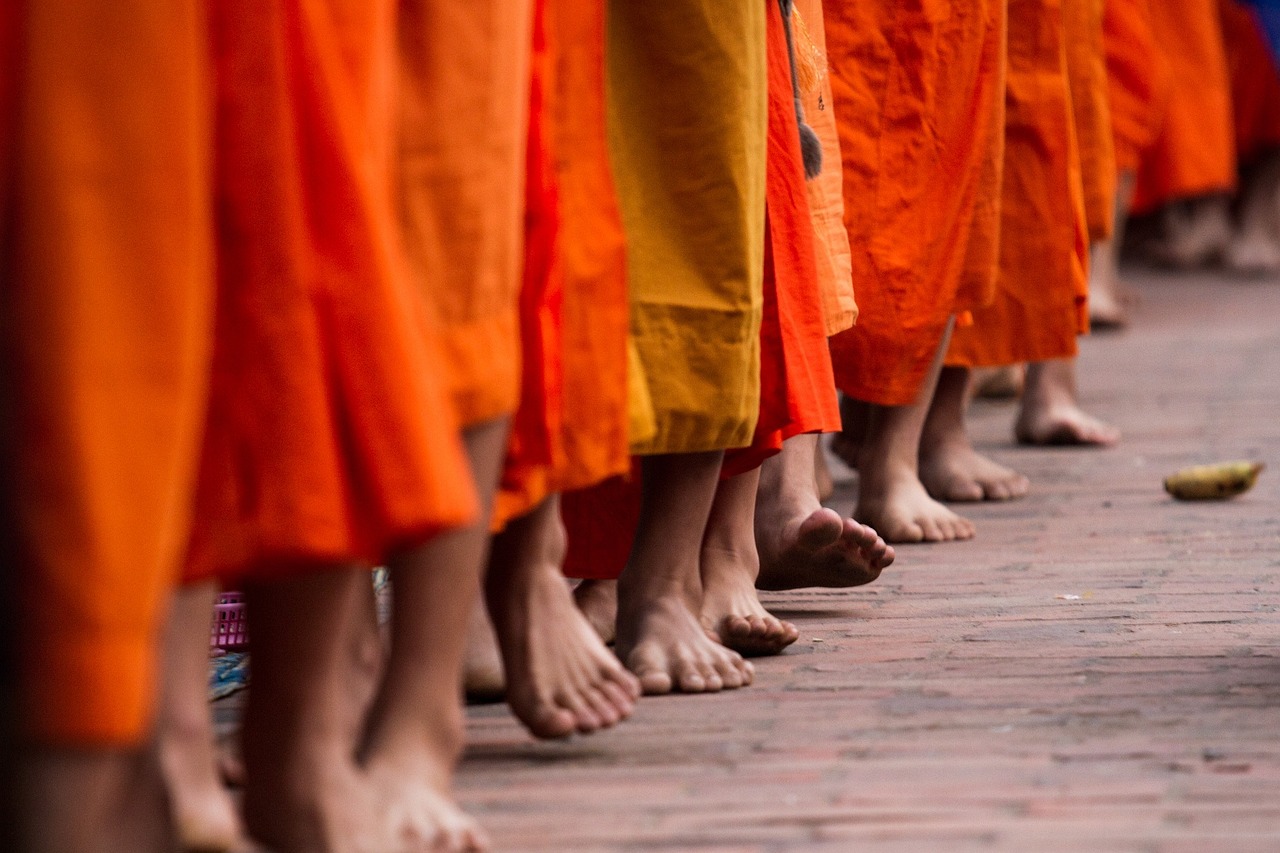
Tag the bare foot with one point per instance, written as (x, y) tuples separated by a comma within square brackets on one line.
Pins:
[(822, 475), (731, 608), (822, 549), (483, 680), (561, 676), (1253, 254), (204, 816), (1063, 425), (663, 643), (902, 511), (729, 564), (960, 474), (424, 818), (598, 601), (1193, 232)]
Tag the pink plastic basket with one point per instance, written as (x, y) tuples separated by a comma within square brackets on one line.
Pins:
[(230, 628)]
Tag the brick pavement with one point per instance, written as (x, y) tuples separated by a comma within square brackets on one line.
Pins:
[(965, 702)]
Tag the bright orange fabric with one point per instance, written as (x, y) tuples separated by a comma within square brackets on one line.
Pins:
[(330, 439), (918, 96), (107, 309), (1138, 80), (826, 191), (571, 429), (1255, 81), (1194, 153), (1087, 78), (1042, 289), (464, 73), (797, 389)]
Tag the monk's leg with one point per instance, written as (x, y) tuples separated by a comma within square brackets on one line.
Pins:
[(1191, 232), (891, 497), (1109, 298), (560, 676), (204, 816), (855, 415), (660, 638), (598, 602), (950, 468), (483, 678), (997, 383), (800, 542), (731, 608), (1051, 413), (1255, 246), (415, 730), (304, 792)]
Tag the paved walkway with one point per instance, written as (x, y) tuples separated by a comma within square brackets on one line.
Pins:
[(1099, 670)]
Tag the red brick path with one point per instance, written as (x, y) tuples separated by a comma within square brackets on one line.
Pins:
[(964, 702)]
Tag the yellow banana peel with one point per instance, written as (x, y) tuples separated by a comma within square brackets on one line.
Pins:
[(1213, 482)]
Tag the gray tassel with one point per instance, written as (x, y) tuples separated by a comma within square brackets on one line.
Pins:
[(810, 145)]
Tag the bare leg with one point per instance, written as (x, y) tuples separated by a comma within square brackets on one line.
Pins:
[(71, 800), (204, 816), (800, 542), (415, 729), (598, 601), (304, 792), (731, 607), (855, 416), (1051, 413), (660, 637), (949, 466), (1255, 248), (561, 677), (1109, 299), (891, 497), (998, 383), (483, 679)]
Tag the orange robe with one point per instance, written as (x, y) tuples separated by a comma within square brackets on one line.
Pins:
[(570, 431), (797, 391), (108, 309), (1087, 80), (1041, 293), (826, 191), (918, 96), (1255, 82), (1194, 153), (1138, 80), (464, 99), (318, 450), (325, 437)]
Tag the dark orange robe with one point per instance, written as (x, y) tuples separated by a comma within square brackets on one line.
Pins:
[(1138, 80), (1194, 153), (570, 431), (1091, 113), (918, 97), (1041, 294), (1255, 82)]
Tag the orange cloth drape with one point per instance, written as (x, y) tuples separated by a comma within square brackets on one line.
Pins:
[(330, 439), (571, 429), (1194, 153), (1255, 81), (1042, 289), (797, 392), (826, 191), (918, 97), (1138, 79), (464, 76), (797, 389), (107, 311), (1087, 79)]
